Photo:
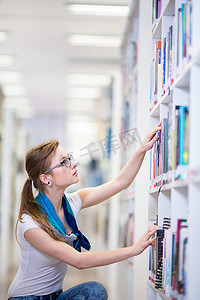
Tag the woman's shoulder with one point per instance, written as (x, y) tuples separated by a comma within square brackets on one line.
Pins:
[(73, 196), (75, 201), (27, 221), (26, 217)]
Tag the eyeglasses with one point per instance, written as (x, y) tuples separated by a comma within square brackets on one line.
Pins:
[(66, 162)]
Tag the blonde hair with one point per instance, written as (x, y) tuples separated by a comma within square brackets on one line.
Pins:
[(37, 161)]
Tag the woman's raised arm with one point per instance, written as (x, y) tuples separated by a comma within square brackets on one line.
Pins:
[(94, 195)]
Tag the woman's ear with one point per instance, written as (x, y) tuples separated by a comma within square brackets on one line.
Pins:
[(44, 178)]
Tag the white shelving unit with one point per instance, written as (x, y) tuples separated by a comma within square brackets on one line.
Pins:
[(136, 79), (179, 199)]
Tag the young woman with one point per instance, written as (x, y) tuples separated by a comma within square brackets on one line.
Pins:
[(47, 232)]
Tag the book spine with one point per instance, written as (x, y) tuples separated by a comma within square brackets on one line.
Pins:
[(168, 262), (181, 133), (186, 137), (175, 290)]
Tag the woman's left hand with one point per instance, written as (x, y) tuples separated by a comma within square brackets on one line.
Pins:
[(151, 138), (146, 240)]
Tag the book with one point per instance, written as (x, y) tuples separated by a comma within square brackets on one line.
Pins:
[(159, 258), (184, 35), (167, 287), (182, 267), (152, 255), (168, 259), (175, 276), (170, 137)]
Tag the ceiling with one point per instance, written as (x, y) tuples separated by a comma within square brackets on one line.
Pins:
[(38, 32)]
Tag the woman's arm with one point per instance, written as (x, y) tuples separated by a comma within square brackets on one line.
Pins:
[(83, 260), (94, 195)]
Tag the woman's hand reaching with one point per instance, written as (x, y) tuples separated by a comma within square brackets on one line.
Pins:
[(145, 241), (151, 138)]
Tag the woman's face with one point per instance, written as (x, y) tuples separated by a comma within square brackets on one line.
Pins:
[(62, 176)]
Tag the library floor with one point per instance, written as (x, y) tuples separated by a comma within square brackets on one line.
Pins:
[(73, 277)]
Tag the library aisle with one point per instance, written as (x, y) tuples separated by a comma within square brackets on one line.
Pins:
[(97, 76)]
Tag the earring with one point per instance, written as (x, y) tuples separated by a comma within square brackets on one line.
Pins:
[(49, 183)]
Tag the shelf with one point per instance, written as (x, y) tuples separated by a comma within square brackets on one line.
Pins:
[(151, 284), (167, 98), (130, 81), (156, 31), (182, 81), (192, 177), (168, 10), (133, 10), (172, 45), (153, 190), (156, 189), (175, 184)]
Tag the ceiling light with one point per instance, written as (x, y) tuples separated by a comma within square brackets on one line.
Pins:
[(89, 79), (17, 102), (81, 118), (84, 93), (94, 40), (98, 10), (3, 36), (26, 112), (10, 77), (6, 60), (14, 90), (21, 105), (82, 128)]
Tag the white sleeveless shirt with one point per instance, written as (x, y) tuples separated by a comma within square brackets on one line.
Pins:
[(39, 273)]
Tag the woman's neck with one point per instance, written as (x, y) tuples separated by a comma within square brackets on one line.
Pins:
[(56, 199)]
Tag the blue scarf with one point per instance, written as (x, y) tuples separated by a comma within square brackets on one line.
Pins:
[(48, 208)]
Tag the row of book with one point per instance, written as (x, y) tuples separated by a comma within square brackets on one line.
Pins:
[(168, 259), (184, 34), (172, 52), (126, 230), (156, 10), (129, 61), (162, 67), (169, 155)]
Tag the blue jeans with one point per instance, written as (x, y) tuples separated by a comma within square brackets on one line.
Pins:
[(91, 290)]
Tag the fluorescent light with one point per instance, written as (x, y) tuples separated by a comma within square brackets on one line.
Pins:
[(80, 117), (14, 90), (17, 102), (82, 128), (81, 107), (3, 36), (99, 10), (89, 79), (10, 77), (21, 106), (6, 59), (26, 112), (94, 40), (84, 93)]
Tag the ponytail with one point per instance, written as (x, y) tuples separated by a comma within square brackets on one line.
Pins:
[(37, 160)]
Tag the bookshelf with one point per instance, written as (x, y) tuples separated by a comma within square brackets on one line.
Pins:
[(136, 78), (129, 143), (174, 185), (167, 74), (1, 117)]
